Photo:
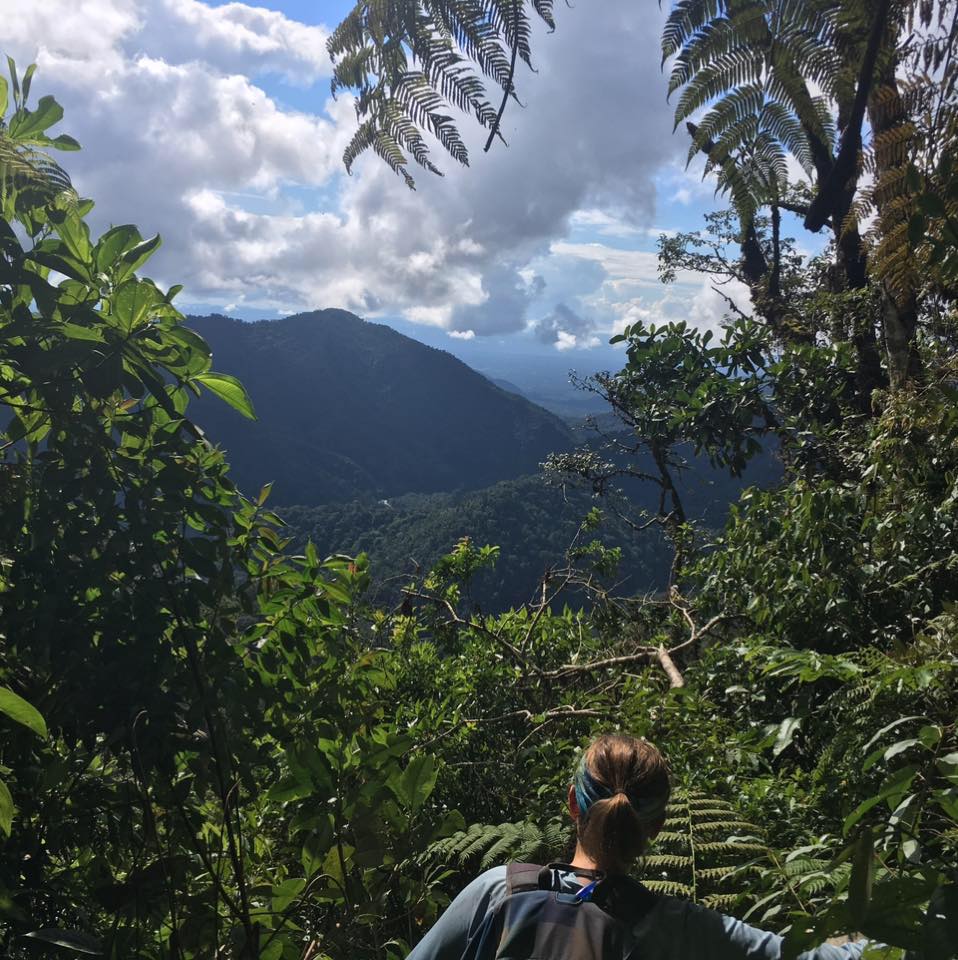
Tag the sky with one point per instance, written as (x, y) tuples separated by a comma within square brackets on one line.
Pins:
[(212, 124)]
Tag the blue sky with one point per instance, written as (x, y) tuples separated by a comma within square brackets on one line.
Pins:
[(212, 124)]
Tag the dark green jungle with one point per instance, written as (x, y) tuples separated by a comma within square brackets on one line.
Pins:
[(235, 726)]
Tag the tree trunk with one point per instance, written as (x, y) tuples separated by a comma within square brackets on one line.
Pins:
[(887, 112)]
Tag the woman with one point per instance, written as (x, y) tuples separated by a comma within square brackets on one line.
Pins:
[(617, 800)]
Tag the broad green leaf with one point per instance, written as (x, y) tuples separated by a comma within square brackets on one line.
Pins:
[(887, 727), (75, 234), (198, 356), (64, 142), (4, 96), (114, 243), (228, 388), (6, 809), (897, 784), (291, 788), (18, 709), (27, 125), (414, 786), (786, 733), (948, 801), (929, 735), (27, 81), (77, 332), (14, 79), (274, 947), (897, 909), (900, 747), (948, 767), (286, 892), (74, 940), (136, 256), (132, 302)]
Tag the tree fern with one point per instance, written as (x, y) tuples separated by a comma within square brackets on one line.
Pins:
[(756, 60), (484, 845), (705, 852), (410, 61)]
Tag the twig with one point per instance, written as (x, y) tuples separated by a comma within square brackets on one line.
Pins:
[(473, 625)]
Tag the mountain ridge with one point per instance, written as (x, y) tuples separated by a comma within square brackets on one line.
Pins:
[(347, 407)]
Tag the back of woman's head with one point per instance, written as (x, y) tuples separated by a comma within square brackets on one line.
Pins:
[(621, 787)]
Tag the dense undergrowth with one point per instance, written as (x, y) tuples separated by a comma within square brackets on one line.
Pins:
[(214, 747)]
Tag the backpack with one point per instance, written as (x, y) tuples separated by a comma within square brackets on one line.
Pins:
[(537, 920)]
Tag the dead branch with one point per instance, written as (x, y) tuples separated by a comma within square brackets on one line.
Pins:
[(671, 670)]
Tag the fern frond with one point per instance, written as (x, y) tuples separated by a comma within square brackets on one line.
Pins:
[(669, 888), (721, 901), (490, 844), (671, 861), (412, 63), (705, 853), (26, 168)]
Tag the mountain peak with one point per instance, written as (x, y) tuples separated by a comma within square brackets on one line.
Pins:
[(349, 407)]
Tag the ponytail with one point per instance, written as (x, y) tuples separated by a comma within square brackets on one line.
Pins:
[(622, 788)]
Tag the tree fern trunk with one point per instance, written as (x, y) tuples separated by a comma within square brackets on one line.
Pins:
[(894, 263)]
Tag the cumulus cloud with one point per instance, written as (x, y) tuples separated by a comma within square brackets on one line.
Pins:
[(566, 329), (239, 38), (177, 105)]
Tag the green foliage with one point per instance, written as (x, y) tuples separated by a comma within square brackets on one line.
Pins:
[(27, 172), (484, 845), (532, 523), (862, 558), (214, 712), (753, 66)]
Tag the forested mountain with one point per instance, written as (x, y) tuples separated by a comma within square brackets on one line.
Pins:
[(532, 519), (531, 522), (347, 408)]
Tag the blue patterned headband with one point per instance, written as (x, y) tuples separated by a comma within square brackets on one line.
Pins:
[(588, 790)]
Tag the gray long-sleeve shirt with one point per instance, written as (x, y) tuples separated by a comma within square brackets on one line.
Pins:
[(672, 930)]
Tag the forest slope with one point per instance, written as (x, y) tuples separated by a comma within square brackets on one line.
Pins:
[(532, 520), (348, 408)]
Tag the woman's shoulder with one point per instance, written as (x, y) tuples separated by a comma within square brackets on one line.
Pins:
[(486, 891), (491, 879)]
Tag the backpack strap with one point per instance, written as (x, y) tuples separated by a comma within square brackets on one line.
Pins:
[(523, 877), (618, 895), (625, 897)]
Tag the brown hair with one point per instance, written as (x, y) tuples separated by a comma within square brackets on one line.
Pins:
[(614, 830)]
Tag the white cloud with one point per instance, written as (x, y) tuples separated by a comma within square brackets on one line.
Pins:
[(630, 290), (237, 37), (171, 99), (603, 223)]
